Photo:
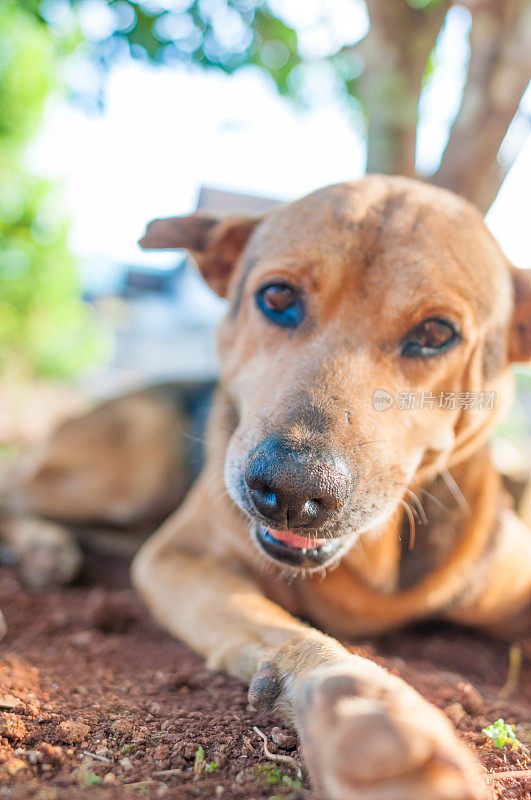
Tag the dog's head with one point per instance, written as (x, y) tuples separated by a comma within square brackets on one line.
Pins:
[(366, 347)]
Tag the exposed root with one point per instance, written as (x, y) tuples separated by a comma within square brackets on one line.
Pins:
[(276, 756), (518, 774)]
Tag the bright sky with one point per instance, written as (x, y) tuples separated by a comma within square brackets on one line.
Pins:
[(165, 131)]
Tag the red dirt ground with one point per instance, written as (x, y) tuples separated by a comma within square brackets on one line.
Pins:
[(95, 702)]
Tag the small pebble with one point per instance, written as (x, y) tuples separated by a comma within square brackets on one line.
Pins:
[(247, 749), (122, 727), (12, 727), (13, 766), (9, 701), (284, 739), (72, 732), (455, 713), (471, 699), (185, 749), (52, 754), (161, 756)]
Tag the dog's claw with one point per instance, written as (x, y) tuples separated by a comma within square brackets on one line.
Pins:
[(265, 688)]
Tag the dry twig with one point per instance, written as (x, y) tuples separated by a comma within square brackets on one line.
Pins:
[(513, 674), (163, 773), (97, 757)]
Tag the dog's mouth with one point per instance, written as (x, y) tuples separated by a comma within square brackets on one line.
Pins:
[(295, 550)]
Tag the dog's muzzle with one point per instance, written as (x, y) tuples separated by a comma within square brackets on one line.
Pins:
[(297, 496)]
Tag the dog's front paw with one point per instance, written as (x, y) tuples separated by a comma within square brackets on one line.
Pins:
[(362, 741), (282, 672)]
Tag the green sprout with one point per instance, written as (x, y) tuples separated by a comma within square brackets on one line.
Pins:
[(293, 783), (271, 775), (267, 775), (90, 779), (199, 760), (502, 734), (201, 766)]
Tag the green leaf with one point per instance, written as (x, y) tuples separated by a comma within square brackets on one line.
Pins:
[(45, 329), (502, 734)]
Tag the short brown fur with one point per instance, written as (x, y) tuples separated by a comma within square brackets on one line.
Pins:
[(371, 259)]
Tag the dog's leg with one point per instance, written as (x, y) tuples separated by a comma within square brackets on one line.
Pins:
[(365, 733), (46, 553)]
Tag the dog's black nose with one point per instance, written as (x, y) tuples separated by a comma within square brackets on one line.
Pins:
[(294, 489)]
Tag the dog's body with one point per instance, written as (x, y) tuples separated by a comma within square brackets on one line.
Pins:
[(119, 468), (382, 285)]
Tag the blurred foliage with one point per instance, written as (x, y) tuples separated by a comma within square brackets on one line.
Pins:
[(222, 34), (225, 34), (45, 329)]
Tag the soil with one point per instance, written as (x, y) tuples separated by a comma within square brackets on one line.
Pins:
[(96, 702)]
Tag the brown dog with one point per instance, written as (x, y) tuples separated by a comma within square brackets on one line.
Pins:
[(384, 288)]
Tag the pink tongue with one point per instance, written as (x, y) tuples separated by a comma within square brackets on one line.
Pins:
[(293, 540)]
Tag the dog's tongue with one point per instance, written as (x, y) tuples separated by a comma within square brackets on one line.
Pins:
[(293, 540)]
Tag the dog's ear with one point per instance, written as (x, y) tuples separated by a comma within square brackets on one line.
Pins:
[(215, 244), (520, 333)]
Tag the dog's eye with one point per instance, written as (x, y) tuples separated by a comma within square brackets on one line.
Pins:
[(280, 303), (430, 338)]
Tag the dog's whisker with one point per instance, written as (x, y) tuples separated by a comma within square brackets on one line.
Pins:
[(454, 490), (407, 508), (435, 500), (418, 503), (414, 510), (366, 444)]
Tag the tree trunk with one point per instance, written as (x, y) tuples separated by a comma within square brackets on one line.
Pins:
[(498, 74), (396, 51)]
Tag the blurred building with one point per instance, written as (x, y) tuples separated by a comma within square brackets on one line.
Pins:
[(161, 319), (223, 203)]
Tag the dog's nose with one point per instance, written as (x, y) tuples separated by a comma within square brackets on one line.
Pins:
[(296, 489)]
